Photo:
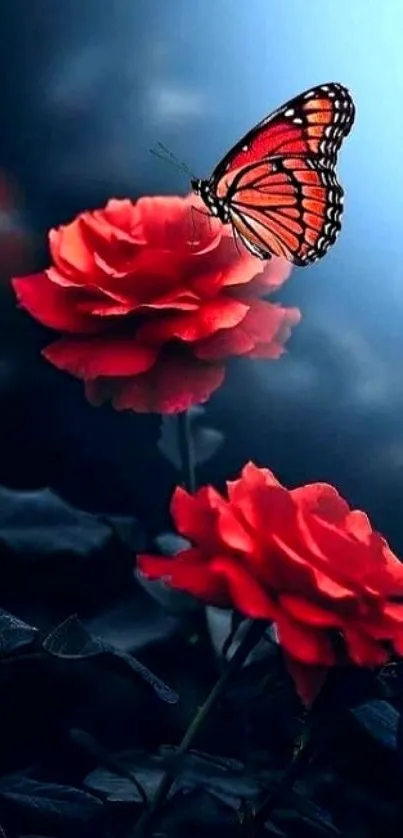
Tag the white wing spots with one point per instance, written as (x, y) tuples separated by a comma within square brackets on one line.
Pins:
[(245, 147), (289, 112), (297, 120), (328, 131), (310, 94), (325, 87)]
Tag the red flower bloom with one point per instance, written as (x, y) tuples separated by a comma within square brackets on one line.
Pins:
[(300, 558), (152, 298)]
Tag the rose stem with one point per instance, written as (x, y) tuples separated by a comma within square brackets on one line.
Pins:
[(251, 638), (186, 451), (273, 798)]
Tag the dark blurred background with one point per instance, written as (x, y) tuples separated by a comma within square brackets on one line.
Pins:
[(87, 88)]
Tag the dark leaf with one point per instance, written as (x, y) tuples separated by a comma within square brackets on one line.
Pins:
[(134, 623), (91, 746), (127, 531), (14, 634), (169, 543), (303, 818), (71, 640), (359, 809), (197, 814), (346, 688), (226, 778), (119, 789), (380, 719), (114, 788), (47, 803), (391, 676), (40, 523), (200, 758), (272, 829), (206, 441)]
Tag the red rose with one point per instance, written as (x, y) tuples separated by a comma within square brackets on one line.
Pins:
[(151, 298), (300, 558)]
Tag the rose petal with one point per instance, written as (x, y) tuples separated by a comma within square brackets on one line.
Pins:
[(70, 252), (308, 680), (363, 650), (394, 610), (251, 478), (263, 330), (195, 516), (221, 313), (274, 273), (307, 612), (357, 524), (180, 222), (124, 218), (52, 305), (224, 344), (100, 356), (244, 591), (304, 643), (323, 500), (144, 276), (172, 386), (228, 268), (232, 532), (262, 501), (207, 519), (195, 578)]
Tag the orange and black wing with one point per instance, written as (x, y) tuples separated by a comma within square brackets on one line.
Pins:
[(289, 207), (312, 124), (279, 182)]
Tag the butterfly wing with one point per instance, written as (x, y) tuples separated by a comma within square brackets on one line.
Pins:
[(288, 207), (279, 182), (313, 123)]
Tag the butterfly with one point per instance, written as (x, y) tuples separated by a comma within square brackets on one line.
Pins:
[(277, 186)]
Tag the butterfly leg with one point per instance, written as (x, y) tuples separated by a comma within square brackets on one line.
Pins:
[(236, 239), (194, 210)]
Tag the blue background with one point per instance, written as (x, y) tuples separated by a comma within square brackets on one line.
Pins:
[(89, 87)]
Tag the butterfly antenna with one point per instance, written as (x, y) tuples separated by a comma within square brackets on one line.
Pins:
[(165, 159), (165, 154)]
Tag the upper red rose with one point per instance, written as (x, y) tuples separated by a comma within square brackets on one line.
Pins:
[(152, 297), (300, 558)]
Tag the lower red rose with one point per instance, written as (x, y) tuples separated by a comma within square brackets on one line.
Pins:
[(300, 558), (151, 298)]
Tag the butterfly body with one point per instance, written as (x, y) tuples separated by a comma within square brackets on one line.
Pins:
[(216, 206), (278, 187)]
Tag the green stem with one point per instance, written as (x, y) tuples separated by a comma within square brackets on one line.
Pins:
[(251, 638), (292, 772), (186, 451)]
